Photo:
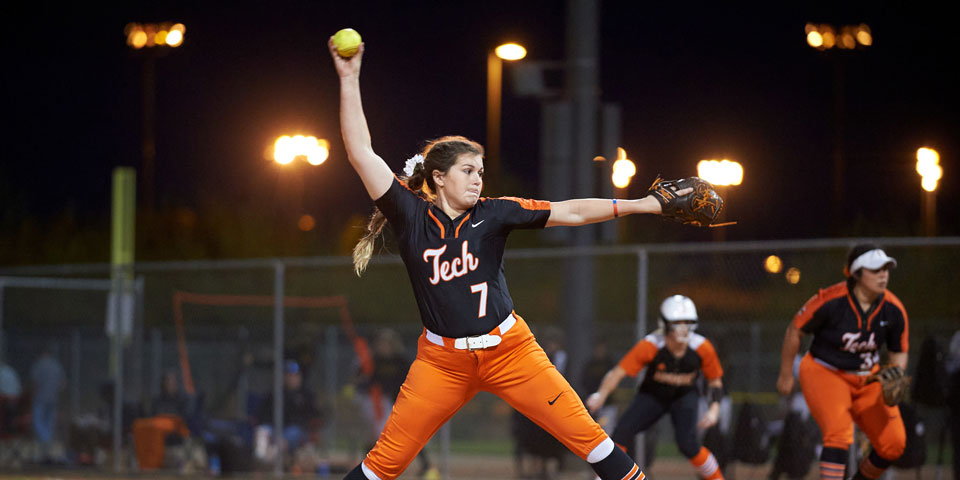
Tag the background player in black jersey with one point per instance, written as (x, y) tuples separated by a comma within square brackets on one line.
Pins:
[(850, 321), (451, 241), (674, 356)]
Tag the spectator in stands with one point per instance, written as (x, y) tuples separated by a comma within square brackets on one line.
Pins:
[(47, 380), (10, 386), (300, 413), (171, 400), (10, 391)]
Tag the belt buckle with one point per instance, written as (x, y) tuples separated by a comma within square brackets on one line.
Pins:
[(475, 343)]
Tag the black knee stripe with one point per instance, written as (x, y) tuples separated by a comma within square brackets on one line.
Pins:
[(879, 461), (616, 466)]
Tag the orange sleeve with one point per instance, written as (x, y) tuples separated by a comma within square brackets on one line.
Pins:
[(823, 296), (530, 204), (638, 357), (710, 363)]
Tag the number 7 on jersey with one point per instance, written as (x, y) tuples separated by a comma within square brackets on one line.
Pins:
[(482, 288)]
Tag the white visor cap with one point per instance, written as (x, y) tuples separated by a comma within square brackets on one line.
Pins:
[(678, 307), (873, 260)]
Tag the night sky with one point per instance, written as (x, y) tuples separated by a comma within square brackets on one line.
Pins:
[(694, 80)]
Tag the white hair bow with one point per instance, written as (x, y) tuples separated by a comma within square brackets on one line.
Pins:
[(411, 164)]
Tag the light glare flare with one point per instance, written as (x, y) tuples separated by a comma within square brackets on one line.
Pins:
[(829, 40), (864, 37), (306, 223), (814, 39), (793, 275), (929, 184), (773, 264), (847, 41), (510, 51), (174, 38), (137, 39)]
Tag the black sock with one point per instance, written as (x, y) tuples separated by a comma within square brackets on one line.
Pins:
[(618, 465)]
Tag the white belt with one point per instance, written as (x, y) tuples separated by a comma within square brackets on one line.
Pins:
[(476, 342), (861, 373)]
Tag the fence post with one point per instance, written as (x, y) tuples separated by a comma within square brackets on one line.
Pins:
[(75, 359), (643, 260), (331, 362), (278, 297)]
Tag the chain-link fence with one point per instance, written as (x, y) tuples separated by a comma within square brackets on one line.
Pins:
[(221, 326)]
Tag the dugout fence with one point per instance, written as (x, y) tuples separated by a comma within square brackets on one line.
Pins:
[(744, 309)]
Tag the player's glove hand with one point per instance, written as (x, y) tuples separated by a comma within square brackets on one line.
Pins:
[(893, 381), (701, 207)]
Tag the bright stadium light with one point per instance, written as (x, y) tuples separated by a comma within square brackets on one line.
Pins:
[(511, 51), (623, 169), (286, 149), (720, 172), (930, 171), (166, 34), (928, 166), (844, 37)]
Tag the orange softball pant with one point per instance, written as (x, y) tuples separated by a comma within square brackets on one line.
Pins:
[(838, 399), (442, 379)]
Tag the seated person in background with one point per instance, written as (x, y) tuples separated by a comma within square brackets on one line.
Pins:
[(299, 409), (171, 400), (167, 424), (10, 391)]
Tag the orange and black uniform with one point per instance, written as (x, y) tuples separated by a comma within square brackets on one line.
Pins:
[(844, 351), (670, 387), (473, 340)]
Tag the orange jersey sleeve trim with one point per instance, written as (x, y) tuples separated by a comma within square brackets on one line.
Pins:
[(529, 204), (823, 296), (905, 338), (710, 362), (439, 224), (638, 357)]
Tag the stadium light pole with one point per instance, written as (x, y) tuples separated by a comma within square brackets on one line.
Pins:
[(151, 40), (509, 52), (930, 171), (834, 41), (722, 174)]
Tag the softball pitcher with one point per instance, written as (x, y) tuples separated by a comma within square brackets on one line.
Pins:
[(849, 322), (676, 356), (452, 241)]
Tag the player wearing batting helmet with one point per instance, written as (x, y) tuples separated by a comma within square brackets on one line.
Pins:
[(675, 356), (452, 241), (849, 322)]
